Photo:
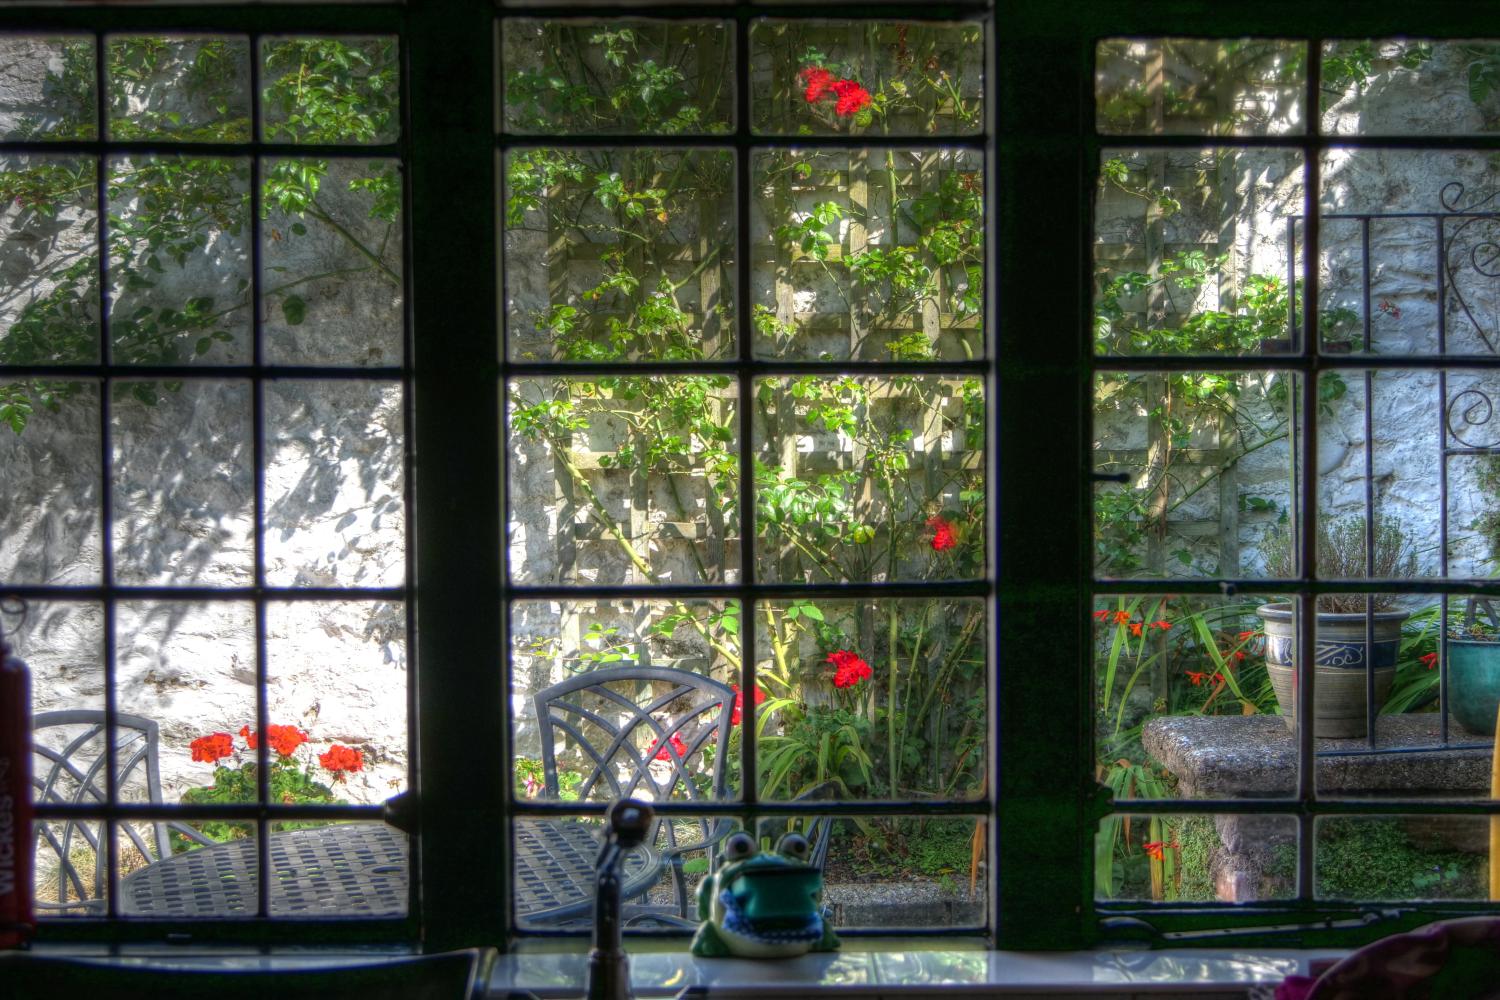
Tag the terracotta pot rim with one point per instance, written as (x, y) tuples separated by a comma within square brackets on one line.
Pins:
[(1283, 611)]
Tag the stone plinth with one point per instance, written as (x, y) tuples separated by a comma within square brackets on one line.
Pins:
[(1219, 757)]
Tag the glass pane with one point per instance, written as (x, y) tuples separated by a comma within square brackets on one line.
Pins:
[(50, 314), (885, 872), (846, 77), (1193, 251), (49, 83), (70, 867), (870, 479), (1400, 858), (1200, 86), (50, 474), (1183, 703), (601, 77), (619, 255), (331, 256), (553, 642), (337, 671), (179, 260), (1407, 247), (63, 644), (184, 485), (1200, 471), (624, 480), (187, 879), (1397, 86), (869, 254), (336, 91), (338, 870), (867, 700), (1196, 858), (188, 88), (335, 484)]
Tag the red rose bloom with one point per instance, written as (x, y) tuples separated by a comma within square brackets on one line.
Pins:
[(851, 669), (283, 739), (943, 537), (739, 702), (211, 747), (665, 754), (818, 82), (340, 758), (852, 98)]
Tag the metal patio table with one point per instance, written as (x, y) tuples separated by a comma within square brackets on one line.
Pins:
[(360, 870)]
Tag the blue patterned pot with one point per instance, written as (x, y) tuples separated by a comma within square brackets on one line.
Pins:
[(1339, 688)]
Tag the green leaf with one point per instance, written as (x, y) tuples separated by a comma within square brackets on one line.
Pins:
[(295, 309)]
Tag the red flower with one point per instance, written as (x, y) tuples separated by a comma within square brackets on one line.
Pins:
[(1121, 617), (1218, 677), (739, 702), (852, 98), (340, 758), (1246, 635), (1135, 627), (1239, 654), (1431, 659), (1164, 625), (943, 538), (283, 739), (851, 669), (1156, 849), (1102, 614), (664, 754), (1387, 306), (1195, 676), (211, 747), (818, 82)]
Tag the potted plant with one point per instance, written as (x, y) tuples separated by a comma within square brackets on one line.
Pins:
[(1473, 650), (1346, 623)]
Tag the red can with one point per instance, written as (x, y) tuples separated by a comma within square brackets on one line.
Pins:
[(17, 920)]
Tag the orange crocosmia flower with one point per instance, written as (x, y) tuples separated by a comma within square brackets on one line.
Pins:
[(1164, 625), (1121, 617), (1431, 659), (1239, 654), (1246, 635), (1101, 614), (1135, 627), (1156, 849), (1195, 676)]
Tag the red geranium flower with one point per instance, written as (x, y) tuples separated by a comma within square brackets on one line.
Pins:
[(283, 739), (943, 537), (852, 98), (739, 702), (818, 82), (665, 754), (1431, 659), (211, 747), (851, 669), (340, 758)]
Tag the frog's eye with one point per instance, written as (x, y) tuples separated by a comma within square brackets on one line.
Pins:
[(794, 846), (739, 846)]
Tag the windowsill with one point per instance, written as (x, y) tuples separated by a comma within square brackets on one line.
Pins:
[(866, 967)]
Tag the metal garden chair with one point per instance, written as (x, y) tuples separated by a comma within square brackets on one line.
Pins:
[(655, 733), (70, 769)]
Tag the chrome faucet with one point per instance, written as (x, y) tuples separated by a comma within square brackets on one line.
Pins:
[(609, 970)]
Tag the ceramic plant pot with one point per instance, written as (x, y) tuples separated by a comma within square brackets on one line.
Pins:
[(1474, 684), (1339, 687)]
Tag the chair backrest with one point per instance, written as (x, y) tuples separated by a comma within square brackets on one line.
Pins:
[(640, 731), (68, 767)]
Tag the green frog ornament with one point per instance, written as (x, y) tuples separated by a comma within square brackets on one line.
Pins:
[(763, 905)]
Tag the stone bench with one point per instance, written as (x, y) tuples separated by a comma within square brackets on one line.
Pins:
[(1255, 756)]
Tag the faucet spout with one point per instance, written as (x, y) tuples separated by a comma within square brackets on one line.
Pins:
[(630, 823)]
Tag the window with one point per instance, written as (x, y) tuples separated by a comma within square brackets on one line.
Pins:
[(710, 315)]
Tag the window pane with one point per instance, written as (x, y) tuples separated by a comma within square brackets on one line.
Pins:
[(869, 254), (1397, 86), (599, 77), (624, 480), (183, 483), (179, 260), (870, 479), (1195, 858), (883, 700), (335, 484), (1200, 86), (50, 83), (1201, 472), (846, 77), (331, 254), (330, 90), (1411, 857), (154, 889), (1193, 251), (188, 88), (50, 223), (49, 469), (884, 872), (619, 255)]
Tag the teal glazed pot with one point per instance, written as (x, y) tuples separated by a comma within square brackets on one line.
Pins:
[(1340, 655), (1474, 684)]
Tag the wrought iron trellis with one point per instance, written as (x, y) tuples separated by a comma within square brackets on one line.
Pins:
[(1467, 246)]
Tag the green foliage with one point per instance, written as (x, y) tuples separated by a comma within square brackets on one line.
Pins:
[(1341, 555), (288, 784), (1376, 859)]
